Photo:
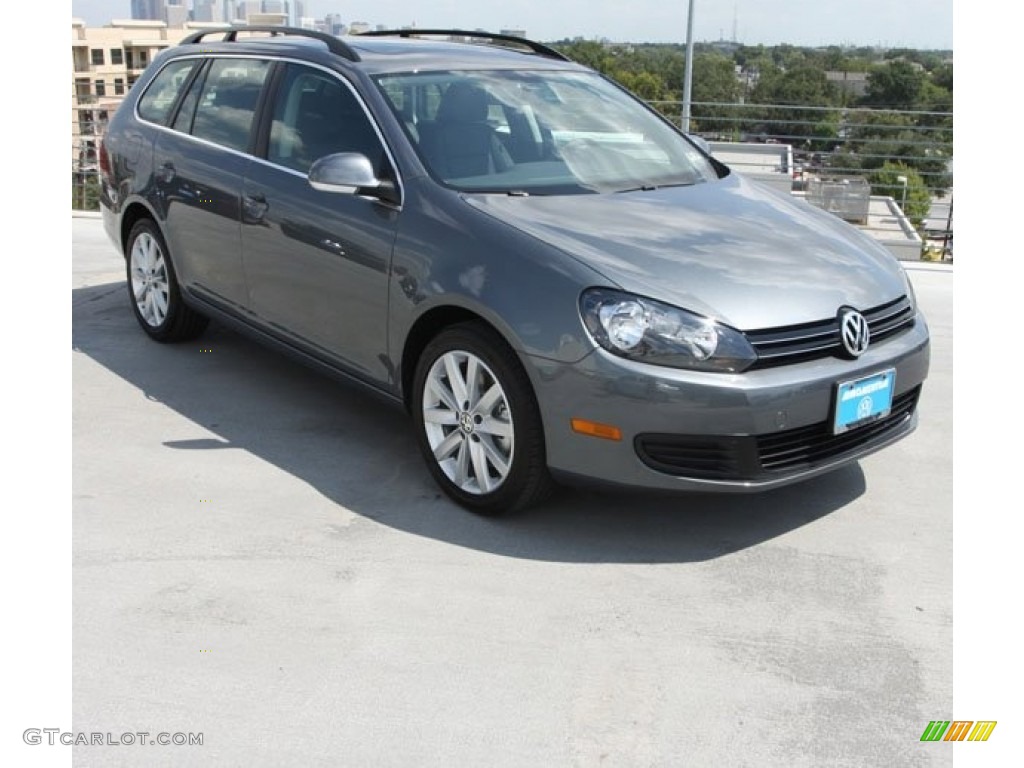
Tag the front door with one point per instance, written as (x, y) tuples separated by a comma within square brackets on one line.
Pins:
[(317, 262)]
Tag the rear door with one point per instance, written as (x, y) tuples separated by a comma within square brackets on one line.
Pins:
[(317, 262), (199, 167)]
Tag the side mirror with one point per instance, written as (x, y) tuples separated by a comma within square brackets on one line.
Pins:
[(350, 173), (701, 142)]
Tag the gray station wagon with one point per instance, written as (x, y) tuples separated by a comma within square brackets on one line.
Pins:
[(551, 278)]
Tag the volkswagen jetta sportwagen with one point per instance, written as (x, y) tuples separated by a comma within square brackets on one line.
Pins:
[(549, 276)]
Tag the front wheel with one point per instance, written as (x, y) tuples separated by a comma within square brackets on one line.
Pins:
[(153, 288), (477, 422)]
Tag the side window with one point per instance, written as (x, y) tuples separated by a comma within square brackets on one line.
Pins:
[(227, 104), (187, 110), (316, 115), (156, 103)]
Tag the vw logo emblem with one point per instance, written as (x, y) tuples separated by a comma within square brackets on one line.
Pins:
[(854, 331), (864, 407)]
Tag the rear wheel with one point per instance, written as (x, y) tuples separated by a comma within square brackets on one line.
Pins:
[(153, 288), (477, 422)]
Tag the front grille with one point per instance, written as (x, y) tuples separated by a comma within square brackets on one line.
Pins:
[(812, 341), (743, 457)]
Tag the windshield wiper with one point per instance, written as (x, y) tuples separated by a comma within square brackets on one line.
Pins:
[(653, 187), (508, 192), (643, 188)]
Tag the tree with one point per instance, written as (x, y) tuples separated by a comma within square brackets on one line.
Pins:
[(942, 76), (647, 86), (881, 136), (895, 85), (85, 191), (714, 85), (589, 53), (913, 197), (804, 86)]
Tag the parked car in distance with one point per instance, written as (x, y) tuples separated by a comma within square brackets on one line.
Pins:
[(552, 279)]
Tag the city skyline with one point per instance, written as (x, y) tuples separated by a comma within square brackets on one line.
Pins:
[(911, 23)]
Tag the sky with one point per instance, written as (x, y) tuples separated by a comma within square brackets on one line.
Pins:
[(891, 23)]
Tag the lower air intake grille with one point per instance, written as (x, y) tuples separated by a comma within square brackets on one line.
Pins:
[(748, 457), (809, 446)]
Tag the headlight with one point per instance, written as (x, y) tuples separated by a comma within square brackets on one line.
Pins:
[(910, 289), (649, 331)]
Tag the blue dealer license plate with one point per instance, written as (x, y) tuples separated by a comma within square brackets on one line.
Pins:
[(862, 401)]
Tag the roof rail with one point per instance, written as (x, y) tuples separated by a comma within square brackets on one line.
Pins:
[(334, 44), (538, 48)]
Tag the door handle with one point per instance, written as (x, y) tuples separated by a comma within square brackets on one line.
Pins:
[(165, 173), (254, 207)]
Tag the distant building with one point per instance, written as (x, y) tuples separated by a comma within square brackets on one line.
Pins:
[(333, 24), (148, 10), (248, 8), (105, 62), (205, 10), (513, 32), (176, 13), (358, 27), (852, 83), (725, 47), (268, 19), (748, 79)]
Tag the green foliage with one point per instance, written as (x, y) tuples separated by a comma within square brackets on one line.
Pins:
[(589, 53), (789, 77), (85, 192), (845, 163), (803, 86), (915, 200), (895, 85), (942, 76), (881, 136), (714, 78), (646, 85)]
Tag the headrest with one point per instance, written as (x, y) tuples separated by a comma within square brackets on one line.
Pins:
[(463, 103)]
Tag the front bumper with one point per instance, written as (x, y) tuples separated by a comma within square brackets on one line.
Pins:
[(683, 430)]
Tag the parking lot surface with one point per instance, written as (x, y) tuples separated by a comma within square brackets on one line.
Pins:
[(260, 556)]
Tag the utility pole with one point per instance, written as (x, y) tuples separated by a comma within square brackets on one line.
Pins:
[(947, 240), (688, 75)]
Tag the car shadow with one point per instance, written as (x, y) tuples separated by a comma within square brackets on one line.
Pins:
[(361, 454)]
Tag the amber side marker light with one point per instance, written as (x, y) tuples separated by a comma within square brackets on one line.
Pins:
[(592, 428)]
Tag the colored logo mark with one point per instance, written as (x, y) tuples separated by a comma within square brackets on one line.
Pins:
[(958, 730)]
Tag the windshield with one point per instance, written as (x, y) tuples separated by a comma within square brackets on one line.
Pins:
[(539, 133)]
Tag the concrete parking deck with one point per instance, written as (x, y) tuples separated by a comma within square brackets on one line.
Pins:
[(261, 556)]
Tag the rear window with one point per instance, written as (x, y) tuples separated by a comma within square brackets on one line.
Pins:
[(158, 100)]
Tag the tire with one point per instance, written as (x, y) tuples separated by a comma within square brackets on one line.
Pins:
[(153, 288), (477, 422)]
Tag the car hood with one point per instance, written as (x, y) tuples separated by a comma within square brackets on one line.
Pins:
[(732, 249)]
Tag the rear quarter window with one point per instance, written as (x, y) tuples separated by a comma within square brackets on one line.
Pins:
[(158, 100)]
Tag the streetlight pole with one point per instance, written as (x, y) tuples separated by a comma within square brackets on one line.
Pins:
[(688, 75), (903, 203)]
